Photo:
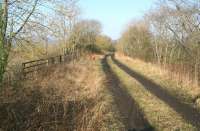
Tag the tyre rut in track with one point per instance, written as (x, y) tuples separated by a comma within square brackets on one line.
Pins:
[(132, 117), (190, 114)]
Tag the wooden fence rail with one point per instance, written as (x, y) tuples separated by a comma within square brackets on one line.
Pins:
[(36, 65)]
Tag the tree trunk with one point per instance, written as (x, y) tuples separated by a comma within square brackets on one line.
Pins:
[(3, 63), (4, 44)]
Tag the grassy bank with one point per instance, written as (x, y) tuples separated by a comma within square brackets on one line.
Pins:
[(185, 91), (63, 97), (159, 114)]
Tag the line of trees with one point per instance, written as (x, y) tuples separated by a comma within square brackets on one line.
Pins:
[(32, 29), (21, 22), (168, 35)]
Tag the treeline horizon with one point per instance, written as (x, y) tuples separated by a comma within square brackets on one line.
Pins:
[(43, 28), (168, 35)]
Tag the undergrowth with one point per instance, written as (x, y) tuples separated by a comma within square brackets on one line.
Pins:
[(63, 97)]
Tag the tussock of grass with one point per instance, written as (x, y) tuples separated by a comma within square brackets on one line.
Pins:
[(159, 114), (64, 97), (184, 90)]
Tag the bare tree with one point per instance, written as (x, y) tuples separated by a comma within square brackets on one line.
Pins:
[(177, 24), (26, 20), (63, 21), (84, 33), (13, 19), (174, 27), (136, 40)]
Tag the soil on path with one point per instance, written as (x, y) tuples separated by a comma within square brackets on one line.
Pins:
[(131, 116)]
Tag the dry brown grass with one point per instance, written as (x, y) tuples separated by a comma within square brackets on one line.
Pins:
[(64, 97)]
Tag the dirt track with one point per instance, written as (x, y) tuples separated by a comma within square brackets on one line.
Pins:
[(131, 115), (189, 113)]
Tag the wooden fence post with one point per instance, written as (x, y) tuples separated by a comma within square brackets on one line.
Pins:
[(52, 60), (60, 58), (36, 65), (23, 70)]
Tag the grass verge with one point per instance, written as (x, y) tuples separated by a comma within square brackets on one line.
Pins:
[(183, 91)]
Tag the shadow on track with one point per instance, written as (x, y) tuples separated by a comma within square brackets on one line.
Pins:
[(131, 115), (189, 113)]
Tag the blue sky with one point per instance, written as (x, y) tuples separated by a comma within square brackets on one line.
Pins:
[(114, 15)]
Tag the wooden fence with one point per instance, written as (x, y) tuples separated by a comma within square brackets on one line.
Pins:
[(36, 65)]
